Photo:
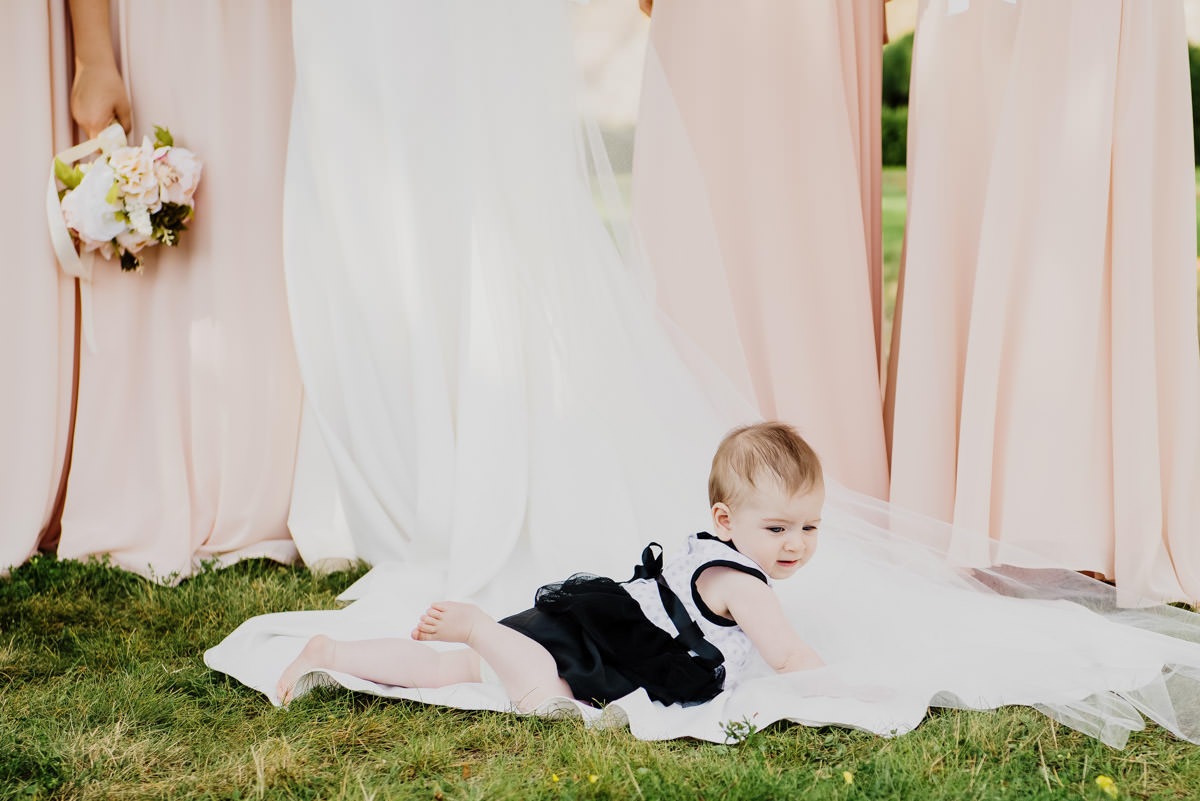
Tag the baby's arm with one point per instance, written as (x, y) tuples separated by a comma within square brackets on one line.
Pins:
[(756, 608)]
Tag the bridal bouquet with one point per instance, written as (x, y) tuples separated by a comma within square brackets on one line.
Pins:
[(129, 197)]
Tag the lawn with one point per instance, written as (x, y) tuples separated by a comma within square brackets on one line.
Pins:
[(104, 695), (895, 206)]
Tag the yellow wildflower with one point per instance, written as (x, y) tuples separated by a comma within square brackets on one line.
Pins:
[(593, 778), (847, 777), (553, 777), (1107, 785)]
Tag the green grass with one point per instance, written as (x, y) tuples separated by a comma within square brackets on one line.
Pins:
[(103, 694), (895, 207)]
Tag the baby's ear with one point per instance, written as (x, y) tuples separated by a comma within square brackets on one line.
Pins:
[(722, 522)]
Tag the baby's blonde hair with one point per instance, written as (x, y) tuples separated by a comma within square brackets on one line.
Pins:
[(750, 454)]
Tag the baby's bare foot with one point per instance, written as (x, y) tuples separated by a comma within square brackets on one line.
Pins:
[(316, 654), (449, 622)]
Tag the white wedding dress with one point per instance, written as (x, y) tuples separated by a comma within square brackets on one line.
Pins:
[(483, 380), (493, 403)]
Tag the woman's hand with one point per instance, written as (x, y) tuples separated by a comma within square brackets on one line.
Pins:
[(98, 98), (646, 6), (98, 95)]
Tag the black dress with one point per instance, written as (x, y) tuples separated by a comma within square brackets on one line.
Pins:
[(605, 647)]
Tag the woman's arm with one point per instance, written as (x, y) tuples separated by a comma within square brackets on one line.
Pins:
[(756, 608), (98, 95)]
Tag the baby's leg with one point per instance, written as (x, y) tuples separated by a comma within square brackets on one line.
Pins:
[(526, 669), (400, 663)]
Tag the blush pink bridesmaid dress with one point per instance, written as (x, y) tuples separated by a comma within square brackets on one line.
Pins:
[(37, 301), (1045, 381), (188, 410), (756, 198)]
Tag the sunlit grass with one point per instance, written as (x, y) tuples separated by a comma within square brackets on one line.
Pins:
[(104, 694)]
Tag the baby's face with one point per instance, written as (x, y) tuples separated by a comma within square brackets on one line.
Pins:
[(778, 531)]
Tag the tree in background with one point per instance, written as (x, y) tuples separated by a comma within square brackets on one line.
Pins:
[(897, 69), (1194, 58)]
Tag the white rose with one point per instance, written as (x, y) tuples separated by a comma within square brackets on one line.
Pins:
[(87, 212), (134, 167), (178, 172)]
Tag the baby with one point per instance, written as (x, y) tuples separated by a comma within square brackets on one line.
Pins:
[(682, 631)]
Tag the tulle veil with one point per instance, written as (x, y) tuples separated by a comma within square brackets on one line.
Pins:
[(492, 403)]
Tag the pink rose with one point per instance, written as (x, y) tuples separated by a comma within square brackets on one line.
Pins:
[(133, 241), (178, 172)]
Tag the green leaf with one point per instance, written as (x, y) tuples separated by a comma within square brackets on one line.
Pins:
[(162, 137), (70, 176), (172, 215), (114, 193)]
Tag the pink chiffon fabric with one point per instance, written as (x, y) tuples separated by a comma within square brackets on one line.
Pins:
[(188, 411), (1045, 380), (37, 302), (759, 120)]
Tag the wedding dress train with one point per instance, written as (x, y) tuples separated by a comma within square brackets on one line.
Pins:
[(496, 404), (479, 379)]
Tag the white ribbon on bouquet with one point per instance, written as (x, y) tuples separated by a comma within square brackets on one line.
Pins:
[(73, 263)]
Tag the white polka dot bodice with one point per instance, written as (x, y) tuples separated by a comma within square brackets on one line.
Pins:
[(680, 569)]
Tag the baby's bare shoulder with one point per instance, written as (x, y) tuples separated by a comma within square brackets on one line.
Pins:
[(725, 587)]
